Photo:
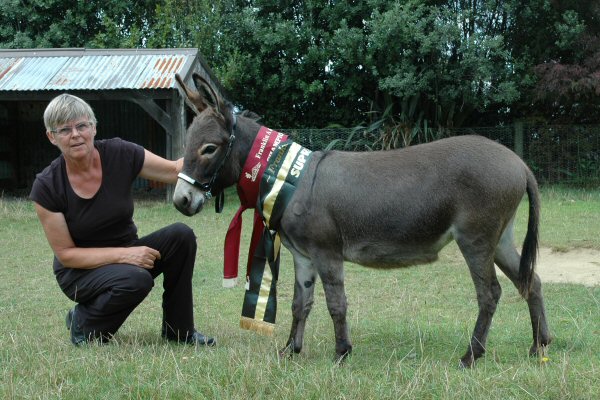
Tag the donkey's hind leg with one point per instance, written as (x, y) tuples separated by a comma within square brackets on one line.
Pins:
[(331, 271), (303, 300), (479, 258), (508, 261)]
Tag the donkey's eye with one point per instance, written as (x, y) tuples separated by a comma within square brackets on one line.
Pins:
[(208, 149)]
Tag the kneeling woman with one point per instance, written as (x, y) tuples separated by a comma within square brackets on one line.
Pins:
[(84, 202)]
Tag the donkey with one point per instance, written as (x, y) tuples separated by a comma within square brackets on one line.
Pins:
[(382, 209)]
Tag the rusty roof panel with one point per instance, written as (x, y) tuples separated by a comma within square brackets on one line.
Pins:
[(81, 69), (7, 66)]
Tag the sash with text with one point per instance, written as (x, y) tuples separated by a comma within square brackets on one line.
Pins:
[(269, 179)]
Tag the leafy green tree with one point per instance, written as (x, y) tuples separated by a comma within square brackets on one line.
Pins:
[(46, 23), (75, 23), (277, 62), (418, 62)]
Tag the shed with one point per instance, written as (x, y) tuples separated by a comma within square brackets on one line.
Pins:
[(132, 92)]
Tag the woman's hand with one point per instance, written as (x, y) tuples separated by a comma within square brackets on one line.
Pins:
[(141, 256)]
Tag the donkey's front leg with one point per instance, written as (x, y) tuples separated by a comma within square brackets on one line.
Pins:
[(331, 272), (302, 303)]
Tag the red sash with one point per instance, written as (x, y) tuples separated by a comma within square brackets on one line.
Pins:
[(248, 189)]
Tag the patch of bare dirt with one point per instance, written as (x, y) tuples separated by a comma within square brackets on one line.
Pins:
[(574, 266), (578, 265)]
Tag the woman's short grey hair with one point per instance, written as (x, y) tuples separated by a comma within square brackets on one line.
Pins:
[(65, 108)]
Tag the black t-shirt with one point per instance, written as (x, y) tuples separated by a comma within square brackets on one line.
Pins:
[(106, 219)]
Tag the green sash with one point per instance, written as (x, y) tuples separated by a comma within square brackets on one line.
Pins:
[(277, 187)]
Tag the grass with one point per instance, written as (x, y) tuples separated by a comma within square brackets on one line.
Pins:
[(409, 327), (570, 218)]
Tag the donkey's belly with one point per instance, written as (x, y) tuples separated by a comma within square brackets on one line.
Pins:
[(385, 254)]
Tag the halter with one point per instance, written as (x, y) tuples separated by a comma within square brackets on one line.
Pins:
[(207, 186)]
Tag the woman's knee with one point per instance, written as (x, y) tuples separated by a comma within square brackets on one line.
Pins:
[(183, 233), (182, 230), (138, 282)]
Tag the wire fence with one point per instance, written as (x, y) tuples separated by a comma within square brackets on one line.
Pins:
[(567, 154), (564, 154)]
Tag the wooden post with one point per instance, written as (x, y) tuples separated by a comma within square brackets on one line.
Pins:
[(519, 139), (175, 138)]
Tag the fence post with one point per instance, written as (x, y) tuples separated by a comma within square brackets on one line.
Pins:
[(519, 138)]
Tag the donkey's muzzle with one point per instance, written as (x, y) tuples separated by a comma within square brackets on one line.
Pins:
[(187, 199)]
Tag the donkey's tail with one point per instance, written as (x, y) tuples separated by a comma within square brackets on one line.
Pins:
[(530, 245)]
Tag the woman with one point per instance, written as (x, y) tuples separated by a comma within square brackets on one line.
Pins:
[(84, 202)]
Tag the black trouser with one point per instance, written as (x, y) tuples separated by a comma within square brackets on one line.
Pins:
[(107, 295)]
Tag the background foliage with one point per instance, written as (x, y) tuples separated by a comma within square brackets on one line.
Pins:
[(309, 63)]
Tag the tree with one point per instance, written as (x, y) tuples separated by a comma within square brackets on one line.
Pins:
[(46, 23), (568, 85), (75, 23), (449, 61), (278, 62), (313, 62)]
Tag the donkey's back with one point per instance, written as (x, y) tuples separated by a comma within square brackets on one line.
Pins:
[(400, 207)]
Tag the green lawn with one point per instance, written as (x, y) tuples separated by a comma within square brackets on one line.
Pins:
[(409, 327)]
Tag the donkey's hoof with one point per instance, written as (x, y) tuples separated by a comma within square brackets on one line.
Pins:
[(540, 349), (286, 352), (281, 354), (289, 350), (341, 358), (466, 362)]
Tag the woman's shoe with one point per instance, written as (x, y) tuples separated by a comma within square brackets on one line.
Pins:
[(77, 335), (196, 338)]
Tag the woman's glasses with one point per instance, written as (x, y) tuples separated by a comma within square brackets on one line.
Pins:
[(82, 127)]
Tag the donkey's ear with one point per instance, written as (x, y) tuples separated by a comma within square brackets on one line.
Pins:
[(208, 94), (192, 98)]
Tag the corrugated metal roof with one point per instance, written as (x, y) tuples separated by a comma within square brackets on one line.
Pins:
[(86, 69)]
